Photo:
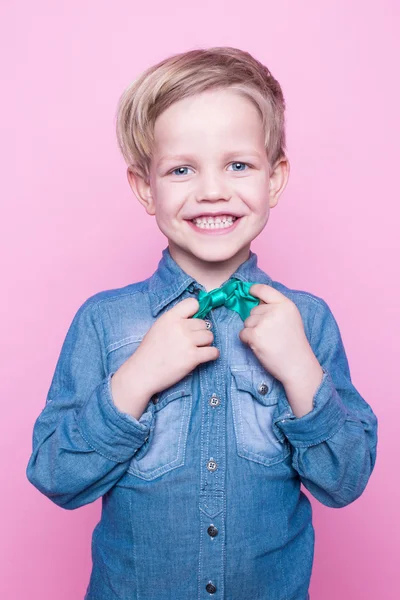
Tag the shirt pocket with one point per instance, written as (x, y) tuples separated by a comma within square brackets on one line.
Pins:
[(118, 352), (165, 448), (254, 395)]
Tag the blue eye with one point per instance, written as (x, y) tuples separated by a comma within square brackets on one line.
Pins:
[(179, 169), (240, 163)]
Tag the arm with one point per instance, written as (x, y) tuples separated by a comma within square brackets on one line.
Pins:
[(82, 443), (334, 445)]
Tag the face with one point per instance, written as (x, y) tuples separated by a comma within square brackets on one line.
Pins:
[(209, 158)]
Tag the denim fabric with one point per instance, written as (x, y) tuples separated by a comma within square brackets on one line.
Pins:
[(201, 496)]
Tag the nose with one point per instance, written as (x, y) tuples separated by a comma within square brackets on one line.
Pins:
[(212, 186)]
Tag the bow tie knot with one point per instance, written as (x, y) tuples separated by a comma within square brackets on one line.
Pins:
[(234, 294)]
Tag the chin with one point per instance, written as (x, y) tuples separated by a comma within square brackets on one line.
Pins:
[(216, 254)]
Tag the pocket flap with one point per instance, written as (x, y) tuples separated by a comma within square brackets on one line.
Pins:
[(177, 390), (258, 382)]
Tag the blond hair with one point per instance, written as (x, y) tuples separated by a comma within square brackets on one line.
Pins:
[(186, 74)]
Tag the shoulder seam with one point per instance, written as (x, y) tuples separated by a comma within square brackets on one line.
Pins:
[(92, 301), (313, 297)]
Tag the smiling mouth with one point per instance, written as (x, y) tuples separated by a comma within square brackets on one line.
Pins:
[(220, 222)]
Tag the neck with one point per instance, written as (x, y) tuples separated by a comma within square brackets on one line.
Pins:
[(210, 274)]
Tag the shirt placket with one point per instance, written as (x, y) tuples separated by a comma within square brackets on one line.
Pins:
[(212, 472)]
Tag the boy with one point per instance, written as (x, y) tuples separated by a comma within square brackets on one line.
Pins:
[(197, 401)]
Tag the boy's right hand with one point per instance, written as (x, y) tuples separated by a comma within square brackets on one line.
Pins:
[(172, 348)]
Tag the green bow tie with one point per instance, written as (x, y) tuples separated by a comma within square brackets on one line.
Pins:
[(234, 294)]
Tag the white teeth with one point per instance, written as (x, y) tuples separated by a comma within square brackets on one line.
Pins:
[(219, 222)]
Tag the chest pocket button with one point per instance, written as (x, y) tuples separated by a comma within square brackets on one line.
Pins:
[(263, 388)]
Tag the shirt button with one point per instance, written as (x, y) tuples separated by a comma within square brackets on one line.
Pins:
[(211, 589), (155, 398), (214, 400), (263, 388), (208, 323), (212, 531), (211, 465)]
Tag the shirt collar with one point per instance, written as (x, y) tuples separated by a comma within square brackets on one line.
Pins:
[(169, 281)]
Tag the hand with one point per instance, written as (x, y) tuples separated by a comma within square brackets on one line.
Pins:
[(275, 332), (173, 346)]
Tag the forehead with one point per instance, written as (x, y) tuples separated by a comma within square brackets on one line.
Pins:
[(215, 117)]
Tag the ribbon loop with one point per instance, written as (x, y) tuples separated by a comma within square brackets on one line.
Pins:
[(234, 294)]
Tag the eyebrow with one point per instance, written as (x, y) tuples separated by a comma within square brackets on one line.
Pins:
[(190, 157)]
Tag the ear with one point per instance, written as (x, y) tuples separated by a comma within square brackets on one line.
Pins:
[(142, 190), (278, 180)]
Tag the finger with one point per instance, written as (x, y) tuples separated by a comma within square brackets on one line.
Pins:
[(206, 354), (251, 321), (267, 293), (261, 309), (243, 335), (202, 337), (186, 308), (196, 324)]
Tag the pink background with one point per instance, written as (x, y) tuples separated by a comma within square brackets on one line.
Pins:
[(71, 227)]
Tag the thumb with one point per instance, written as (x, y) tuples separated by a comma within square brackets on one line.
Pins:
[(267, 293), (187, 307)]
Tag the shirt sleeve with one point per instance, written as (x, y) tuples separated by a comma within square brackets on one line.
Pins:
[(334, 445), (82, 443)]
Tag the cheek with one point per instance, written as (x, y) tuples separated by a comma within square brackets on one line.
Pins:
[(256, 196), (164, 199), (168, 205)]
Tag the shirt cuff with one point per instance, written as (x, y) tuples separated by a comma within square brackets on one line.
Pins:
[(108, 430), (322, 422)]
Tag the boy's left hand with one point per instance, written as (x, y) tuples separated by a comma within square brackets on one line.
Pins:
[(275, 332)]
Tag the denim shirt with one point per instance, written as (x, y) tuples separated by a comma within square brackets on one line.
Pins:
[(201, 496)]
